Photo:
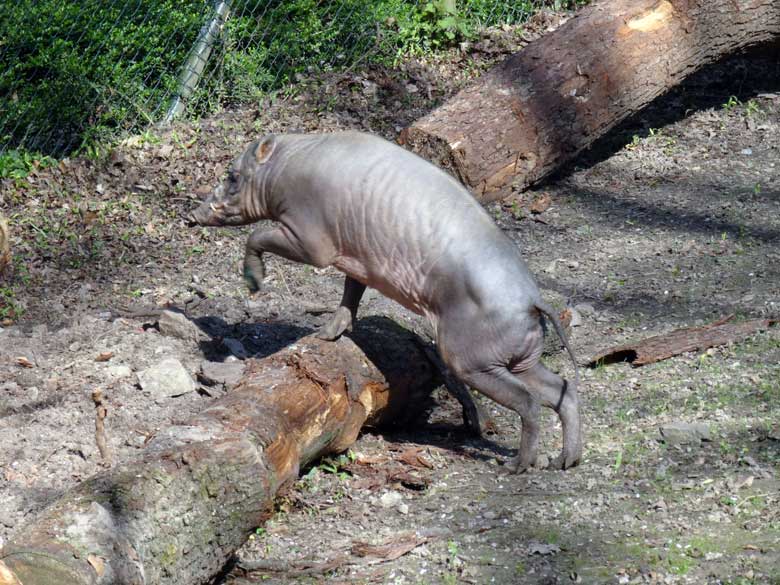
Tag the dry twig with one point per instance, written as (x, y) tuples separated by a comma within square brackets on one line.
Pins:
[(100, 432)]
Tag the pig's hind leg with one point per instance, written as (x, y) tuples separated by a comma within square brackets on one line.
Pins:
[(499, 384), (556, 393), (476, 365)]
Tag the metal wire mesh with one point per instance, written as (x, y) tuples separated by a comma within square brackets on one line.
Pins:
[(75, 72)]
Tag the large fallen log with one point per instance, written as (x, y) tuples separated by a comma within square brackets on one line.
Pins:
[(176, 514), (523, 119)]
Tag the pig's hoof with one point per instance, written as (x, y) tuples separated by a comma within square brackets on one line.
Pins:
[(563, 461), (341, 322), (327, 334), (473, 425), (518, 465), (251, 282)]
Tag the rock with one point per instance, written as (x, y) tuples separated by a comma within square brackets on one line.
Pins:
[(390, 499), (166, 378), (27, 378), (175, 324), (228, 373), (116, 372), (11, 387), (576, 318), (586, 309), (235, 347), (682, 433), (543, 548)]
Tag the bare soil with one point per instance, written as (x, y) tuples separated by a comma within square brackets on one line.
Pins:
[(671, 221)]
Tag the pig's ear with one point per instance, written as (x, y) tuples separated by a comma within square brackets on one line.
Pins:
[(264, 149)]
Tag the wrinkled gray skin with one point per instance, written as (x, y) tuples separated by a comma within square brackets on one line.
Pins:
[(394, 222)]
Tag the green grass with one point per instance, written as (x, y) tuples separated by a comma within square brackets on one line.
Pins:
[(85, 71)]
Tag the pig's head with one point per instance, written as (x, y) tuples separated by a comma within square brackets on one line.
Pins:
[(240, 199)]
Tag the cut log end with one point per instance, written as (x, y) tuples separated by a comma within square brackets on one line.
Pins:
[(520, 121), (437, 150)]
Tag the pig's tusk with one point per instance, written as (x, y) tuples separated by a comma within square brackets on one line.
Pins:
[(213, 207)]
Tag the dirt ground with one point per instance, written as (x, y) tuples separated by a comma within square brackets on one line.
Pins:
[(673, 220)]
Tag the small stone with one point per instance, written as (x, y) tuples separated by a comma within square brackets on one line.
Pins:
[(117, 372), (165, 151), (166, 378), (576, 318), (403, 509), (175, 324), (235, 347), (228, 373), (28, 377), (543, 548), (585, 309), (682, 433), (370, 89), (390, 499)]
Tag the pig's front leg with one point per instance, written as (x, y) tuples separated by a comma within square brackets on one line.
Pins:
[(346, 313), (275, 241)]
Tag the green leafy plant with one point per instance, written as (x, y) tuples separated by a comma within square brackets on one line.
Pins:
[(445, 24), (9, 306), (731, 103), (17, 163), (752, 108)]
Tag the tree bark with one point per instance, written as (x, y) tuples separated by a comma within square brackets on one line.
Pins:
[(660, 347), (176, 514), (523, 119), (5, 246)]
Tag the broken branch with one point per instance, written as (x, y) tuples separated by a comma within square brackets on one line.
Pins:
[(661, 347)]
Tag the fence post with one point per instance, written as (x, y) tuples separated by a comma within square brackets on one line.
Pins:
[(199, 56)]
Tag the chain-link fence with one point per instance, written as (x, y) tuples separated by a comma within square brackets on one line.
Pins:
[(76, 72)]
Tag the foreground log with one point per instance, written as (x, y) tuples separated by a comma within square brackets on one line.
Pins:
[(175, 515), (523, 119), (660, 347)]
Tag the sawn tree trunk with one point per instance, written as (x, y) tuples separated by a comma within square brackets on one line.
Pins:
[(523, 119), (175, 515)]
